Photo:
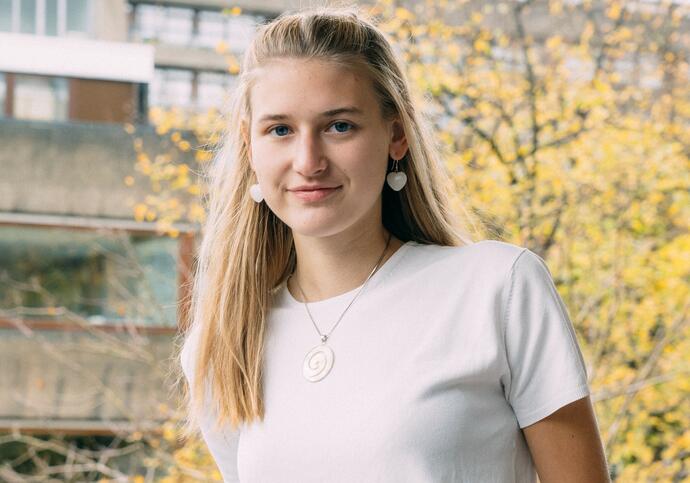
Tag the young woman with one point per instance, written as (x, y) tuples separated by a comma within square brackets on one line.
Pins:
[(344, 329)]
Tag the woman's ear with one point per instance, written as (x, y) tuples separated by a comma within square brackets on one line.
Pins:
[(398, 145)]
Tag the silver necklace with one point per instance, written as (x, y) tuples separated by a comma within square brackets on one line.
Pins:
[(319, 360)]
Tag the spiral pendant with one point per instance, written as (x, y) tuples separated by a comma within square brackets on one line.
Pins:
[(318, 363)]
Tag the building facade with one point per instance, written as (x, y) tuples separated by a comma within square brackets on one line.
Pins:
[(90, 297)]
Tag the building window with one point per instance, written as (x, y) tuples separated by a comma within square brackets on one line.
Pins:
[(213, 90), (241, 30), (190, 90), (172, 87), (46, 17), (27, 16), (51, 23), (3, 94), (192, 27), (177, 26), (236, 31), (211, 29), (5, 15), (40, 98), (99, 277), (165, 24), (77, 16), (145, 25)]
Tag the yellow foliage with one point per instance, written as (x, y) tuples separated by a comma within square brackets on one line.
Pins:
[(140, 211), (221, 47), (614, 10), (202, 156), (404, 14), (150, 215), (555, 7), (482, 46), (233, 65), (554, 42)]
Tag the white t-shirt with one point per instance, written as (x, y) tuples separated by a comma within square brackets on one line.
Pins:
[(440, 361)]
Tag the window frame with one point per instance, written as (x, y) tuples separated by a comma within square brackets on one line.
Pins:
[(192, 104), (197, 11), (40, 19), (186, 243), (11, 95)]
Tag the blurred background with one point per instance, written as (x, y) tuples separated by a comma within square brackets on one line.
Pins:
[(565, 125)]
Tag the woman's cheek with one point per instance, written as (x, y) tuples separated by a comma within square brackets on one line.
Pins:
[(263, 162)]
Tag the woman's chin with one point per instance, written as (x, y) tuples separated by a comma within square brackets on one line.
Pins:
[(317, 228)]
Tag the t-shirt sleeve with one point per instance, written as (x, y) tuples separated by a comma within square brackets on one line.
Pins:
[(221, 443), (546, 370)]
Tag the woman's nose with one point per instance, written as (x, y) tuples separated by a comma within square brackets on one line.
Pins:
[(309, 158)]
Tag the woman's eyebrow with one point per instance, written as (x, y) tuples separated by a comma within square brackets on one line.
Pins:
[(329, 113), (343, 110)]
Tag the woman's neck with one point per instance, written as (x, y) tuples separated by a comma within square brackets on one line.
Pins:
[(327, 267)]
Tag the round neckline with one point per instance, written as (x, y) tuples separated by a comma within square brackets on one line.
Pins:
[(373, 281)]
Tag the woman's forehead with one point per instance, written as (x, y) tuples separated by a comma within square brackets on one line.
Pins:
[(291, 87)]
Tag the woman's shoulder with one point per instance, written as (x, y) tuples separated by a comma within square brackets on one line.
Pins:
[(490, 254), (489, 263), (484, 265)]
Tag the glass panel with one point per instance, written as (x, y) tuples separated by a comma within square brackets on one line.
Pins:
[(179, 24), (158, 260), (77, 16), (241, 30), (214, 89), (148, 22), (5, 15), (171, 87), (40, 98), (27, 16), (211, 29), (96, 277), (51, 17), (236, 30), (61, 90), (3, 94)]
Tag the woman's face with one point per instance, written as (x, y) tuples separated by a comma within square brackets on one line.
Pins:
[(315, 124)]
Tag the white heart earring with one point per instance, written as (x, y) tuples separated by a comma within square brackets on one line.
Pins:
[(255, 193), (396, 179)]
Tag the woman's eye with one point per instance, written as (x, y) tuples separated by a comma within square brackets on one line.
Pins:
[(283, 129), (342, 126)]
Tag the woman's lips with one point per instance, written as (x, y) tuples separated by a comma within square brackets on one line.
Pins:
[(314, 195)]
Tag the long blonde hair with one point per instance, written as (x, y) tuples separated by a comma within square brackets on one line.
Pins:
[(247, 252)]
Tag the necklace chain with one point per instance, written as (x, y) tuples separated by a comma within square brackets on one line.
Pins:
[(324, 337)]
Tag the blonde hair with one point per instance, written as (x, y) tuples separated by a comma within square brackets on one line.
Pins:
[(247, 252)]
